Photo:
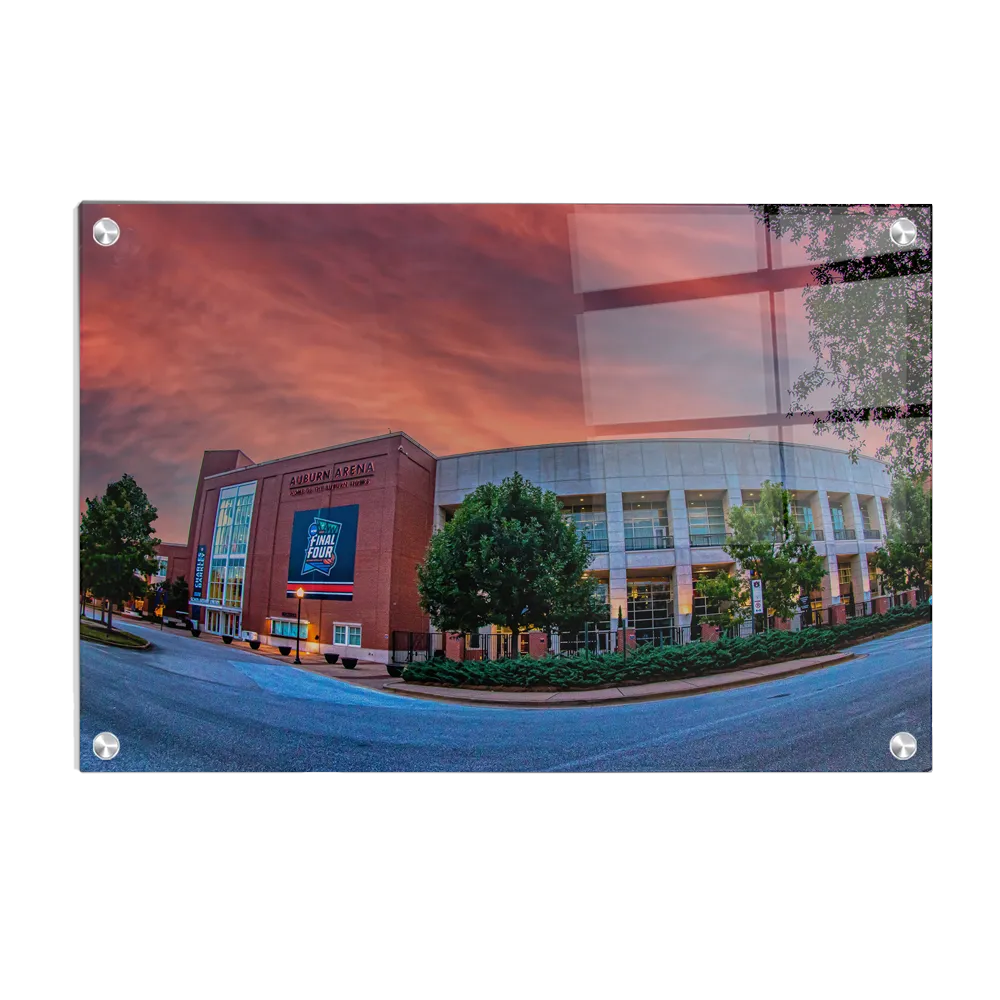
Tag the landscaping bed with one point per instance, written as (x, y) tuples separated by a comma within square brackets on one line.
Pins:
[(99, 633), (646, 664)]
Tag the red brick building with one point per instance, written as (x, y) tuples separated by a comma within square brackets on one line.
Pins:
[(247, 553)]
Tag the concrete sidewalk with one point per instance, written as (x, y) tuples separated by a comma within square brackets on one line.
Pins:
[(367, 673), (619, 695)]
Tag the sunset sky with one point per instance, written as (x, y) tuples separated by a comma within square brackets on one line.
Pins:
[(283, 329)]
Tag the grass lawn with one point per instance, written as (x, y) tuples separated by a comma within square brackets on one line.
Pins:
[(96, 632)]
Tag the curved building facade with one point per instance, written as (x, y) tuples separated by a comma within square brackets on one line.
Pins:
[(347, 525), (654, 511)]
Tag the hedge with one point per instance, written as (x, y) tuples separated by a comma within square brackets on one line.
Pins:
[(656, 663)]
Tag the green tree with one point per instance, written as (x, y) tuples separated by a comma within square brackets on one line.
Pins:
[(766, 542), (575, 605), (117, 546), (869, 316), (178, 594), (904, 561), (509, 558), (88, 563)]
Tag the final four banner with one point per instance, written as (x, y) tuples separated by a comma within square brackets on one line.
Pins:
[(321, 560)]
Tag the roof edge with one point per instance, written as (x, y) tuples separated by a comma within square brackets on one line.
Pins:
[(651, 440), (319, 451)]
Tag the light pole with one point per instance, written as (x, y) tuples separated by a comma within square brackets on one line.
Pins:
[(300, 593)]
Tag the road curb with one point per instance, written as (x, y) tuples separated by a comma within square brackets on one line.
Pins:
[(602, 697), (117, 645)]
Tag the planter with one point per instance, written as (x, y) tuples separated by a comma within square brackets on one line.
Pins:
[(331, 657), (255, 643), (394, 670), (284, 650), (196, 632), (350, 662), (227, 639)]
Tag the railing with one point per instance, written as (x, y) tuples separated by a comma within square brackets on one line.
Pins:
[(815, 535), (648, 540), (858, 609), (873, 533), (701, 541), (597, 641), (671, 635), (844, 534), (408, 647), (597, 544)]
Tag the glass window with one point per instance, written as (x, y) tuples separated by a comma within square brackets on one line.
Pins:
[(701, 605), (650, 608), (706, 517), (591, 522), (286, 627), (837, 513), (803, 516), (647, 524), (230, 541), (234, 584), (866, 517), (846, 582), (217, 579), (347, 635)]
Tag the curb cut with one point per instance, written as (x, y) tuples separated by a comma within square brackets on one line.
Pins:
[(544, 699)]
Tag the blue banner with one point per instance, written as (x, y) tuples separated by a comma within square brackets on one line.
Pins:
[(199, 574), (321, 559)]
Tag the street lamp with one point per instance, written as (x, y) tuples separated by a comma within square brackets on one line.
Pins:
[(300, 593)]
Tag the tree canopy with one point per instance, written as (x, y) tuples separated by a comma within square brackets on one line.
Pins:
[(508, 557), (766, 542), (117, 547), (904, 560), (869, 320)]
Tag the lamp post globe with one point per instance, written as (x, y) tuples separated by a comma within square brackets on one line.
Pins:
[(300, 593)]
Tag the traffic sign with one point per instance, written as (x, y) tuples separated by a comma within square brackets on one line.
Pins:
[(757, 592)]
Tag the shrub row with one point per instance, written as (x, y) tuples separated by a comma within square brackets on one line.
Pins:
[(655, 663)]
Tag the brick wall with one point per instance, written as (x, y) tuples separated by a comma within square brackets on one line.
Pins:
[(395, 513)]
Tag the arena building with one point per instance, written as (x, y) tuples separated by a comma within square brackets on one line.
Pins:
[(349, 524)]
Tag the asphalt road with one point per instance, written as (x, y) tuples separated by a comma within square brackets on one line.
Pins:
[(192, 706)]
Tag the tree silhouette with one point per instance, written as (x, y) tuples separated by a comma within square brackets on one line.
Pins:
[(869, 316)]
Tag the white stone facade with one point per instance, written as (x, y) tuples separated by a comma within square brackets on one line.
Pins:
[(842, 496)]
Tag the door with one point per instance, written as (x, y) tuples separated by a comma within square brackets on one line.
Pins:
[(222, 622), (846, 587)]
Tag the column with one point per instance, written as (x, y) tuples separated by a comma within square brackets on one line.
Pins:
[(683, 589), (438, 517), (880, 510), (854, 505), (859, 577), (617, 564), (859, 567), (824, 520), (538, 644)]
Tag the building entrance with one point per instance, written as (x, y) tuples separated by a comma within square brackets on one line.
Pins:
[(223, 623)]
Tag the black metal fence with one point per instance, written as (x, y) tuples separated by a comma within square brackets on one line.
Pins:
[(597, 641), (409, 647), (675, 635)]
